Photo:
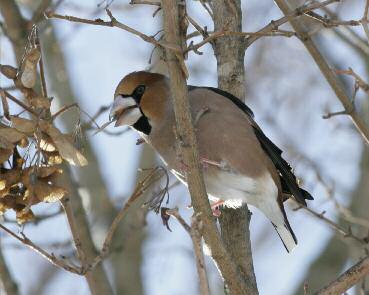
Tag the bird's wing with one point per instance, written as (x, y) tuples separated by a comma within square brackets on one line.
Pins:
[(288, 179)]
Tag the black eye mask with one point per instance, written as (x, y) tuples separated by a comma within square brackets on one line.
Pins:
[(138, 92)]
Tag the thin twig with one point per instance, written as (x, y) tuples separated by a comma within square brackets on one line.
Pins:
[(195, 233), (196, 236), (273, 25), (351, 37), (146, 2), (18, 102), (5, 105), (140, 189), (39, 11), (333, 225), (360, 81), (330, 23), (197, 26), (325, 69), (65, 202), (64, 109), (208, 10), (50, 257), (175, 213), (344, 212), (333, 114), (41, 65), (216, 35), (112, 23)]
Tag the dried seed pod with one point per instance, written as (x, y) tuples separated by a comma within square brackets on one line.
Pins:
[(46, 144), (24, 215), (28, 72), (53, 158), (48, 193), (4, 155), (8, 71), (65, 147), (5, 144), (23, 125), (11, 134)]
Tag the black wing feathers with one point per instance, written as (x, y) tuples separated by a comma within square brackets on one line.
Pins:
[(288, 179)]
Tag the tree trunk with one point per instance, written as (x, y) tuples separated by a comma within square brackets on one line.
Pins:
[(230, 52)]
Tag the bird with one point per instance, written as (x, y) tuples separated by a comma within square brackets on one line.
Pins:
[(240, 163)]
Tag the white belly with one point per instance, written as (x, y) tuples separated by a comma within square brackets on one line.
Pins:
[(236, 189)]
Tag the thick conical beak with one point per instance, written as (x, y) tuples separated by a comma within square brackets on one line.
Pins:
[(124, 111), (120, 105)]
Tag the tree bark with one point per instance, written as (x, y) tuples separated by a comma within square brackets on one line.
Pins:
[(230, 52), (187, 146)]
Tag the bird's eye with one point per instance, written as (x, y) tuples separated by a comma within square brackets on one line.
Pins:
[(140, 90)]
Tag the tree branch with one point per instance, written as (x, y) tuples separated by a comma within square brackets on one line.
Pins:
[(188, 149), (229, 52)]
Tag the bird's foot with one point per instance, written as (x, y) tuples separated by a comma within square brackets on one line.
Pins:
[(215, 208)]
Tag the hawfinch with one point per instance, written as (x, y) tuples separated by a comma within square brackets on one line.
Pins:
[(240, 164)]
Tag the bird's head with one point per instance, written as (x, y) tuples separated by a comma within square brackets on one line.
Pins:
[(140, 100)]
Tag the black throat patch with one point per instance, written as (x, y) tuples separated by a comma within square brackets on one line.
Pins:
[(143, 125)]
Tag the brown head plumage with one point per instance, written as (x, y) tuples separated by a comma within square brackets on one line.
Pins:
[(140, 99)]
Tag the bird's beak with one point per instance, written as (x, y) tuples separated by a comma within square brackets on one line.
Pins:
[(124, 111)]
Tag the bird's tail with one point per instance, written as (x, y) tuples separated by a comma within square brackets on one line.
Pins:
[(287, 236), (275, 212)]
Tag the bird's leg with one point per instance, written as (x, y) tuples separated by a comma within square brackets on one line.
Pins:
[(207, 162), (214, 207)]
